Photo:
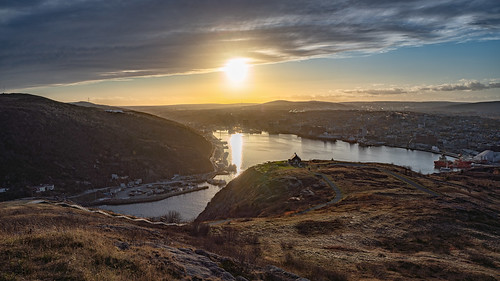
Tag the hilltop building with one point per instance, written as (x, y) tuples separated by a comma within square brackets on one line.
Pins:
[(295, 160)]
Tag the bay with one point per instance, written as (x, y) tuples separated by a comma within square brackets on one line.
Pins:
[(246, 150)]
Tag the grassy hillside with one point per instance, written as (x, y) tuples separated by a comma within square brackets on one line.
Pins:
[(48, 242), (383, 228), (267, 190), (77, 148)]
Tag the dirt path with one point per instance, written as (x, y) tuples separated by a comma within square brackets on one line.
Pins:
[(338, 193), (112, 215), (410, 182), (390, 173), (336, 199)]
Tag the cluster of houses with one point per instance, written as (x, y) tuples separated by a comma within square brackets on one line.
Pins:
[(124, 182), (114, 110), (43, 188), (36, 189)]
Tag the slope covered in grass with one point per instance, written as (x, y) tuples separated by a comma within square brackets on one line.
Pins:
[(76, 148), (382, 229)]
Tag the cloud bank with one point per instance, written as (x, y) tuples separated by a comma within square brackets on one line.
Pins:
[(46, 42), (463, 85)]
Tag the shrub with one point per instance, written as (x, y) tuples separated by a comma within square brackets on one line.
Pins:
[(199, 229), (171, 217), (482, 260), (312, 271), (310, 227)]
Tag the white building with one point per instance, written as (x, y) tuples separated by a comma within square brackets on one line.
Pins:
[(44, 188), (488, 156)]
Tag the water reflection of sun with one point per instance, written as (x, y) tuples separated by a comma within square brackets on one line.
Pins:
[(236, 144)]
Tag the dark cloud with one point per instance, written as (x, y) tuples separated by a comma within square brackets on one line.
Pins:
[(456, 87), (466, 86), (377, 92), (55, 41)]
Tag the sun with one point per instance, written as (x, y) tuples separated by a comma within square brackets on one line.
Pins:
[(236, 70)]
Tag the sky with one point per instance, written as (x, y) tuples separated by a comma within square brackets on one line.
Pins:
[(153, 52)]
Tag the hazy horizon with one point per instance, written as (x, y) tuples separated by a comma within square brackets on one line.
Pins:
[(294, 101)]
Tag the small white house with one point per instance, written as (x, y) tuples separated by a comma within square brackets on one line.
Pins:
[(44, 188), (3, 189), (114, 177)]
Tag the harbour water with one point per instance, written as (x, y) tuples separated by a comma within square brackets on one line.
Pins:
[(246, 150)]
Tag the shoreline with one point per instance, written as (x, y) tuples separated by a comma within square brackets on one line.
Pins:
[(216, 143), (152, 198), (450, 154)]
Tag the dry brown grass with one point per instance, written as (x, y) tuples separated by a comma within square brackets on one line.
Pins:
[(374, 233), (311, 227), (266, 190), (386, 230), (43, 242), (75, 255)]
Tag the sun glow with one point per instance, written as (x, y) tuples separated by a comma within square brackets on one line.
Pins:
[(236, 70)]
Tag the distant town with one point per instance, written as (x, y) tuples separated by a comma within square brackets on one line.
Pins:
[(442, 133)]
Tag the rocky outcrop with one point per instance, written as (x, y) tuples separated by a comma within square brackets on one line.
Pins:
[(202, 265), (197, 264)]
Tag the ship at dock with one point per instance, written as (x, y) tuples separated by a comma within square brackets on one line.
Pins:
[(461, 163), (442, 162), (486, 157)]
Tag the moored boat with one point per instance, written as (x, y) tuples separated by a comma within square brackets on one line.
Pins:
[(460, 163), (442, 162)]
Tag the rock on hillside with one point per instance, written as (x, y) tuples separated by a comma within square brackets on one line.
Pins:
[(76, 148)]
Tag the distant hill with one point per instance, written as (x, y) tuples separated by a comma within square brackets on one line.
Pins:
[(484, 109), (76, 148), (400, 105), (204, 106), (89, 104), (480, 108), (273, 105), (207, 113), (300, 106)]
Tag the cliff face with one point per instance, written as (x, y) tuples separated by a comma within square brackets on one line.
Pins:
[(44, 141), (266, 190)]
